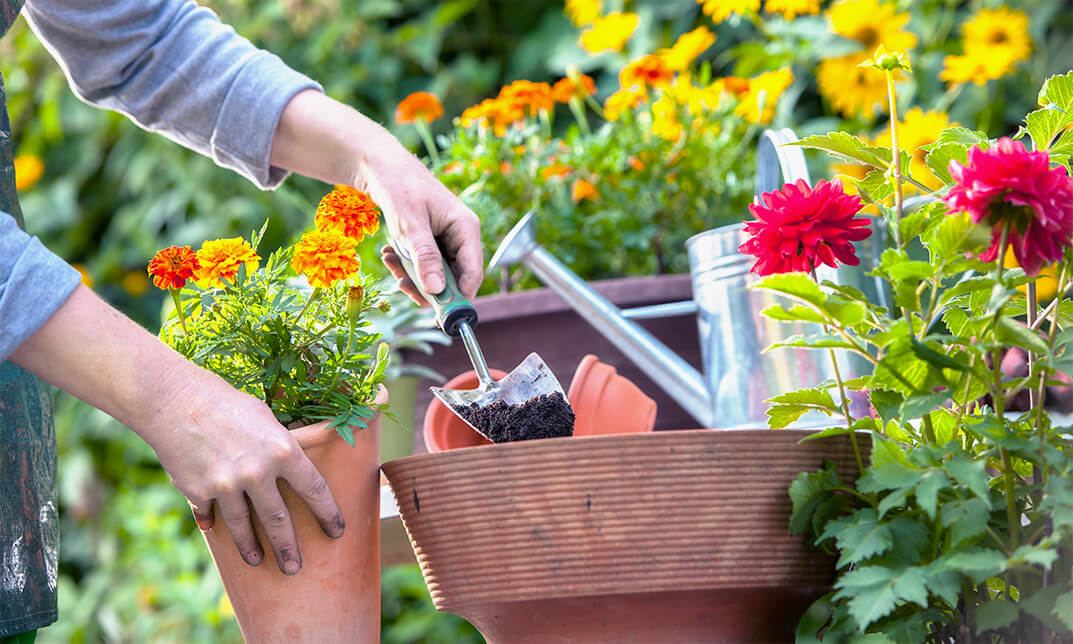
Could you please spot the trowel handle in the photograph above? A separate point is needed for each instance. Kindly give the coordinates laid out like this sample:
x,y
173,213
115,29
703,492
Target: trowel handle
x,y
452,308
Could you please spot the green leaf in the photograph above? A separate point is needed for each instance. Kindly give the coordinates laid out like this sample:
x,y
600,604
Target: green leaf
x,y
861,536
927,490
911,270
1058,91
890,468
955,234
939,158
1035,555
807,492
875,185
1012,332
1043,125
995,614
796,285
1051,607
892,501
965,519
793,313
943,582
962,136
874,591
845,146
1063,609
916,405
789,407
817,341
972,474
941,360
976,563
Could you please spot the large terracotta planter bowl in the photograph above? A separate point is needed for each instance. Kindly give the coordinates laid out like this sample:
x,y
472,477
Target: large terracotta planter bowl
x,y
677,536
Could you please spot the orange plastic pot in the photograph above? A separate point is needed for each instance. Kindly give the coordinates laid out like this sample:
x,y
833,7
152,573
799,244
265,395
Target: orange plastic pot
x,y
606,403
443,429
336,595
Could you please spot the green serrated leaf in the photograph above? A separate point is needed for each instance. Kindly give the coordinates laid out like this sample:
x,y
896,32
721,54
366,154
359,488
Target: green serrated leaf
x,y
972,474
1035,555
789,407
818,341
807,492
995,614
1012,332
965,519
864,536
927,490
793,313
1051,607
876,185
939,158
874,591
976,563
1043,125
943,583
796,285
845,146
962,136
1063,609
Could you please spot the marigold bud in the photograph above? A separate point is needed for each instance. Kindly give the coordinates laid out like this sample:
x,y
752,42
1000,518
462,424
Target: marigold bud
x,y
353,302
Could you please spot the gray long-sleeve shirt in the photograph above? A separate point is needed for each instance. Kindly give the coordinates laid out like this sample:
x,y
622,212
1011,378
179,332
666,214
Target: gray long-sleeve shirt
x,y
173,68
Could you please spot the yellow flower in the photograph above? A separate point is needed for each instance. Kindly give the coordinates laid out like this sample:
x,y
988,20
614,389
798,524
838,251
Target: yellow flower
x,y
998,32
325,257
791,9
28,170
852,90
974,68
1046,281
134,283
87,279
758,103
917,129
872,24
720,10
582,12
686,49
622,100
665,119
221,258
646,71
610,32
554,171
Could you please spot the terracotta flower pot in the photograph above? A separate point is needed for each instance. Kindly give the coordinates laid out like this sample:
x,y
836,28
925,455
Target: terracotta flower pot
x,y
661,537
606,403
443,429
336,595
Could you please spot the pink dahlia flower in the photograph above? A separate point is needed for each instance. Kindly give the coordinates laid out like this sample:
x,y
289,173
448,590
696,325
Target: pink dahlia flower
x,y
1008,186
798,227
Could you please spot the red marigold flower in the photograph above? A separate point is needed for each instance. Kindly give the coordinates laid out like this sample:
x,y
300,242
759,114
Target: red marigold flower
x,y
1010,187
172,267
646,71
419,105
349,212
567,88
798,227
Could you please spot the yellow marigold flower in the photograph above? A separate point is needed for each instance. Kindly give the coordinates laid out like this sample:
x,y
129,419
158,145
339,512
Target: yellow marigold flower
x,y
917,129
582,12
1002,32
665,119
525,94
872,23
494,112
28,170
646,71
87,279
418,106
791,9
758,103
583,190
610,32
720,10
554,170
325,257
687,48
134,283
221,258
568,88
622,100
851,89
348,211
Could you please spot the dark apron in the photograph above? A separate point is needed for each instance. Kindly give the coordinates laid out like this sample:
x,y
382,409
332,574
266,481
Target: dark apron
x,y
28,526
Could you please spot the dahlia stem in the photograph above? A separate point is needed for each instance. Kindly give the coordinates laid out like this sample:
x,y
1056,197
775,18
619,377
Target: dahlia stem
x,y
430,144
896,158
1034,396
179,309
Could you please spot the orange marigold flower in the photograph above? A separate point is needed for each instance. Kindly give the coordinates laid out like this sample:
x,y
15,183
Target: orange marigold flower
x,y
568,88
28,169
348,211
419,105
646,71
506,167
527,94
172,266
554,170
622,100
582,190
497,112
221,258
736,86
325,257
635,163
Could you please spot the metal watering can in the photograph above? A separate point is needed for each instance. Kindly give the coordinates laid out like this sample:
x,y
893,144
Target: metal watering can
x,y
737,375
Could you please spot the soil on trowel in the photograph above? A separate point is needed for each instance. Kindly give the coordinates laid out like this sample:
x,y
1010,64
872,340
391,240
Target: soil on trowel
x,y
546,416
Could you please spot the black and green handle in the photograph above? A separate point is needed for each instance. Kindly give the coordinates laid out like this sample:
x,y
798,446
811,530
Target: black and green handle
x,y
452,308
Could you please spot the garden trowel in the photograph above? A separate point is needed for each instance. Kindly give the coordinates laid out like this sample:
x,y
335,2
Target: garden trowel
x,y
529,389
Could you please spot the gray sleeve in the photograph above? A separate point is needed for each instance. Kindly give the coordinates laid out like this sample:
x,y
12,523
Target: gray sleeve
x,y
33,284
173,68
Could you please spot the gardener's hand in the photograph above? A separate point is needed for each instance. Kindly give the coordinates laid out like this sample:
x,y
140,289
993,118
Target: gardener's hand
x,y
322,138
215,442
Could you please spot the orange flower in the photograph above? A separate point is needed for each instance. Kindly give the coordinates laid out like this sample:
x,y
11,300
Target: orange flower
x,y
497,112
622,100
220,258
582,190
527,94
325,257
554,170
736,86
567,88
348,211
646,71
635,163
171,267
506,167
28,169
419,105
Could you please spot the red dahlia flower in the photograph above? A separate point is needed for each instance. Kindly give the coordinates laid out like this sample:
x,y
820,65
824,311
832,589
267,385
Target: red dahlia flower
x,y
798,227
1009,187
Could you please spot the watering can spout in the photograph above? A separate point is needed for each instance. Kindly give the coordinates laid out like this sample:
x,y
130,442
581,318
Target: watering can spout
x,y
679,379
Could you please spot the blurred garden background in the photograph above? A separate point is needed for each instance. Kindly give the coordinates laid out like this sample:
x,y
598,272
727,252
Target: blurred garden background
x,y
621,178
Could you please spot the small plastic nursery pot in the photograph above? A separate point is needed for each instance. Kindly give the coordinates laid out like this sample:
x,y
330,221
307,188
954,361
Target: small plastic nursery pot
x,y
336,595
669,536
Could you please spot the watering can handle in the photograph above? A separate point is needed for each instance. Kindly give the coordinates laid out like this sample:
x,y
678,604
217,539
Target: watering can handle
x,y
777,163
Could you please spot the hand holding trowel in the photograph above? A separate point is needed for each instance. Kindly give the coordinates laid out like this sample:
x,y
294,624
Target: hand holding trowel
x,y
528,403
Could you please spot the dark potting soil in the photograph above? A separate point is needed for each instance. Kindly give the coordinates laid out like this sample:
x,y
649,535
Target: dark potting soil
x,y
546,416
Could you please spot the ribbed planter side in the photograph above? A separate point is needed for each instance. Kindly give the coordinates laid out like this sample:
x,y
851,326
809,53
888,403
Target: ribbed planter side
x,y
665,512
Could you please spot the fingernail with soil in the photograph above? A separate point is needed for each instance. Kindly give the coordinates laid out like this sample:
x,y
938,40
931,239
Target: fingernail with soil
x,y
291,567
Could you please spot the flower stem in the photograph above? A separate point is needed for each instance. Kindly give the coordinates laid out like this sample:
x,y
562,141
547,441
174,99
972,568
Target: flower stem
x,y
349,346
426,136
579,115
312,296
179,309
895,159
